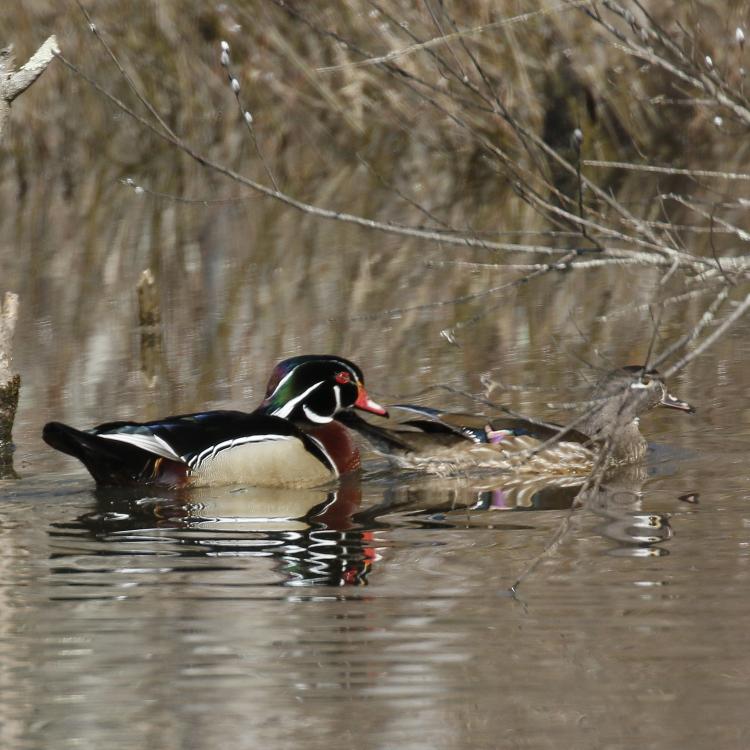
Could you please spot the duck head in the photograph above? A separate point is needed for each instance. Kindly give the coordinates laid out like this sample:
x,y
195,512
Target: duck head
x,y
645,389
623,395
314,388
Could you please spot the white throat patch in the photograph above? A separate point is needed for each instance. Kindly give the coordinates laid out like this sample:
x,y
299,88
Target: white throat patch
x,y
313,417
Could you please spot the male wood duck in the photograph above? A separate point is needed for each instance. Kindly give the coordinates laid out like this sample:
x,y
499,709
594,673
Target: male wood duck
x,y
443,443
291,440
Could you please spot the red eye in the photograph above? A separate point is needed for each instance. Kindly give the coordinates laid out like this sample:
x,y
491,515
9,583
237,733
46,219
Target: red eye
x,y
343,377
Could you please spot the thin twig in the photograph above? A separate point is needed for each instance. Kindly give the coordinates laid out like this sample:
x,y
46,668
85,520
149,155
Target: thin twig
x,y
729,321
698,173
447,38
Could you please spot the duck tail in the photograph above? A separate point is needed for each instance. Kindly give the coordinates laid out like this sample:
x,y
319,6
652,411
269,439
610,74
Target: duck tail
x,y
107,462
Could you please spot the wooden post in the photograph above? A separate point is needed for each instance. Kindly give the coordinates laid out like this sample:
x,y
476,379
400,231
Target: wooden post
x,y
12,84
149,326
10,382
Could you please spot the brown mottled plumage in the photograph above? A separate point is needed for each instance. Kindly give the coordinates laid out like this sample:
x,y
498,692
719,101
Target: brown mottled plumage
x,y
446,443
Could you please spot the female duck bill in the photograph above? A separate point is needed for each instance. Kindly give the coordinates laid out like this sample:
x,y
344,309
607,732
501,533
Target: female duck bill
x,y
672,402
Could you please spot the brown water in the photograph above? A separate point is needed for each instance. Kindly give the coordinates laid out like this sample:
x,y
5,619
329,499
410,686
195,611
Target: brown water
x,y
384,618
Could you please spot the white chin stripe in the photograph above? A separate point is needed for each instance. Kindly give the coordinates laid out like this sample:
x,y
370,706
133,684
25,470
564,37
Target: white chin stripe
x,y
149,443
313,417
285,410
337,393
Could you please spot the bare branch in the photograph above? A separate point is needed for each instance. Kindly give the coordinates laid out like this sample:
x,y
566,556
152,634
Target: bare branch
x,y
19,81
12,84
461,34
704,173
729,321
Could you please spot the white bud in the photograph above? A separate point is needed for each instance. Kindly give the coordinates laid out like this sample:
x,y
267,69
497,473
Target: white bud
x,y
449,335
129,181
224,59
248,117
578,136
739,36
709,61
92,27
138,190
224,46
718,121
235,84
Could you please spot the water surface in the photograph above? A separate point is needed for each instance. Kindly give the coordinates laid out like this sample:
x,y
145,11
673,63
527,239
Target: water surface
x,y
383,617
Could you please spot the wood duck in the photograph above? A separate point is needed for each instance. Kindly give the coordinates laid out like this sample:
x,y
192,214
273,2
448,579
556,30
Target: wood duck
x,y
443,443
291,440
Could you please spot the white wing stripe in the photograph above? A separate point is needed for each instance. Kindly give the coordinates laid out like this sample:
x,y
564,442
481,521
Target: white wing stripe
x,y
331,462
197,460
149,443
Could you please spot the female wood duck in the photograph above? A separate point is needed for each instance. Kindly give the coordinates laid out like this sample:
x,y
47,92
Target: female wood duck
x,y
290,440
442,443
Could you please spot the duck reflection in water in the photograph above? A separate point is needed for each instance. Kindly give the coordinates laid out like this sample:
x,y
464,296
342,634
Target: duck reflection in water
x,y
469,503
324,537
309,535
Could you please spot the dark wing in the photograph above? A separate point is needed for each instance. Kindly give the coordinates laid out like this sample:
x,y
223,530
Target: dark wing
x,y
540,430
479,428
435,422
190,437
405,437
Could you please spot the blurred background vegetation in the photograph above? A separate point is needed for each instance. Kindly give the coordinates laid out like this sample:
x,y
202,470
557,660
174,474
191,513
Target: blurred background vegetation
x,y
244,281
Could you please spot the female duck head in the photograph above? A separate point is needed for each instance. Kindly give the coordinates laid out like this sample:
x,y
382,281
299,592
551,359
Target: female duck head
x,y
621,397
316,387
644,389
